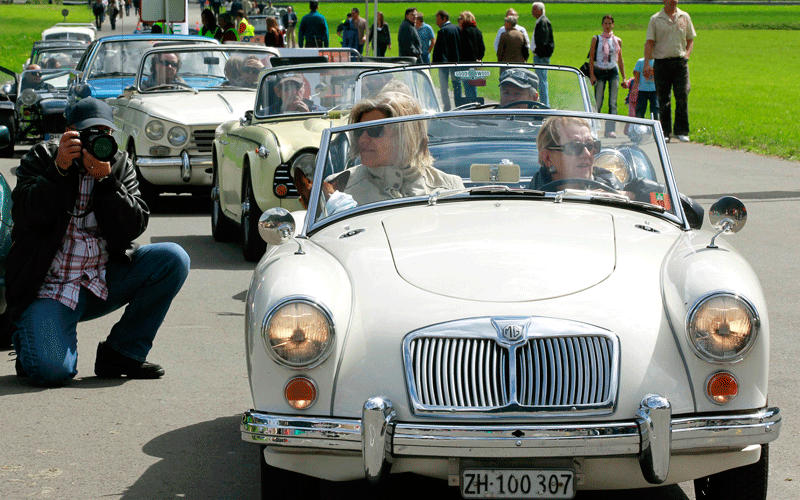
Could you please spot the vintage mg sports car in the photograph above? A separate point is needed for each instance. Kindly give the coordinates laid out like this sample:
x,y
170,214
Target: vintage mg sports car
x,y
506,315
167,123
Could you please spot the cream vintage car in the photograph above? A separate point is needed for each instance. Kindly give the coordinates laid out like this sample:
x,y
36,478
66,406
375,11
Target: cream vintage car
x,y
253,156
506,316
166,121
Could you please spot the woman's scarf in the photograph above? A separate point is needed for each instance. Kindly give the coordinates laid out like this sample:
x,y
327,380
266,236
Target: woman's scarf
x,y
606,46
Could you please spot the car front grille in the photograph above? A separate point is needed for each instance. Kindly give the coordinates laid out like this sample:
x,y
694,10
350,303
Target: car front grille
x,y
203,139
282,183
479,372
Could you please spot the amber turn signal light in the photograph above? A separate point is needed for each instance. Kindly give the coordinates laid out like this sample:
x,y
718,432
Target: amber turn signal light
x,y
722,388
300,393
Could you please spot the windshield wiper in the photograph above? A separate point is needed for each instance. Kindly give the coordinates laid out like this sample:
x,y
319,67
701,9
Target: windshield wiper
x,y
492,189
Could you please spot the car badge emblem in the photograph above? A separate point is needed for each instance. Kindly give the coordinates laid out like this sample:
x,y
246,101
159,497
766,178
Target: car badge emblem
x,y
511,330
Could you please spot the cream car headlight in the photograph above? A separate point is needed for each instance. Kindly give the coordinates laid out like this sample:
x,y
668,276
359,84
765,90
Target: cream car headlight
x,y
298,333
615,163
306,162
177,136
154,130
722,327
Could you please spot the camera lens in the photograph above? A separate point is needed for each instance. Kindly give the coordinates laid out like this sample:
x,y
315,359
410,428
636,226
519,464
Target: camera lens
x,y
101,146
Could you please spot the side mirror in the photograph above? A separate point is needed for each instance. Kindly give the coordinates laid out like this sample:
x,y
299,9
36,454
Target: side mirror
x,y
727,215
276,226
8,88
247,119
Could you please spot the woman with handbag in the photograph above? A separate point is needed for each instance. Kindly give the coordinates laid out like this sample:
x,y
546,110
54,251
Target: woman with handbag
x,y
605,66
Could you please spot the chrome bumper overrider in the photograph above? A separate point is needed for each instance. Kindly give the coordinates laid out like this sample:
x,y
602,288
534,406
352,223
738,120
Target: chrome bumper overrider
x,y
652,436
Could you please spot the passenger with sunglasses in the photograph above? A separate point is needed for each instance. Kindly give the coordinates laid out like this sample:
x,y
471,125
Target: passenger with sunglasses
x,y
251,67
32,79
290,96
395,160
566,156
164,70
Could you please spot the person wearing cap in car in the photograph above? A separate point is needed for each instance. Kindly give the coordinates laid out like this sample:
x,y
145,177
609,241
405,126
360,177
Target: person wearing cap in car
x,y
74,257
290,92
518,85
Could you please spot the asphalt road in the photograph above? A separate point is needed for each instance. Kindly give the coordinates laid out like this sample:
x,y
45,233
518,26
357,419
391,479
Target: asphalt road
x,y
178,437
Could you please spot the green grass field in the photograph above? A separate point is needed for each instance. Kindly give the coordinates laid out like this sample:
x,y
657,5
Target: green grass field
x,y
743,68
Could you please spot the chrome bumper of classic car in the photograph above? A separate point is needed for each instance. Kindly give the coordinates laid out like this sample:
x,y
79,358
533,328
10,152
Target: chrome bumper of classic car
x,y
653,436
155,167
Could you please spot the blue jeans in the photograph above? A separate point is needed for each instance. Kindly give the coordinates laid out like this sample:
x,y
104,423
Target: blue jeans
x,y
46,337
544,96
612,80
642,98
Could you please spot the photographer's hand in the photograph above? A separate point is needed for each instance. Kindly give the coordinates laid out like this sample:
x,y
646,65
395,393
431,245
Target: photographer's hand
x,y
94,167
69,149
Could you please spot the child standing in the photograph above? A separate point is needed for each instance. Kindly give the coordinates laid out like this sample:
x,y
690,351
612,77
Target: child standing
x,y
647,91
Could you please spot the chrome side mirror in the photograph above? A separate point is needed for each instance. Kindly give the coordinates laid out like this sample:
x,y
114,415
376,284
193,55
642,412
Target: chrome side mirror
x,y
8,88
276,226
727,215
247,119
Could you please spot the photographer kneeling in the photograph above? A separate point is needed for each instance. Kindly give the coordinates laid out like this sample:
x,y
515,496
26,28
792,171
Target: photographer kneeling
x,y
76,211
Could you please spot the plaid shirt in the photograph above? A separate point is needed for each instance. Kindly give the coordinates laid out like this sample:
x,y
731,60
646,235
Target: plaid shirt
x,y
81,260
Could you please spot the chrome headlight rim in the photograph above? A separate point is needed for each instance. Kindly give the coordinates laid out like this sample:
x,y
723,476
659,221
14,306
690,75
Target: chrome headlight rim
x,y
28,97
302,157
748,306
152,130
177,129
323,355
616,156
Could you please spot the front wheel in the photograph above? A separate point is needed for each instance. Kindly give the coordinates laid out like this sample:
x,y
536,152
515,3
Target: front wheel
x,y
222,228
743,483
253,247
279,484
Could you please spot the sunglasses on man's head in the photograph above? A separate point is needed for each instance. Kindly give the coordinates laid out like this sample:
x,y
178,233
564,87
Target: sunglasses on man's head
x,y
169,63
373,132
575,148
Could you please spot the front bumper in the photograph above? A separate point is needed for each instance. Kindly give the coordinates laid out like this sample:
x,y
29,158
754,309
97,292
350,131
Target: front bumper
x,y
654,435
192,169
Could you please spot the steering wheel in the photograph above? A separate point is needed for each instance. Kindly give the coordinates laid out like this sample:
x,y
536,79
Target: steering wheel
x,y
588,184
529,104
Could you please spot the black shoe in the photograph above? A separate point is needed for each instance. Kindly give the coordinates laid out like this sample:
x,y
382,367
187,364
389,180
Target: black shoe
x,y
20,369
111,364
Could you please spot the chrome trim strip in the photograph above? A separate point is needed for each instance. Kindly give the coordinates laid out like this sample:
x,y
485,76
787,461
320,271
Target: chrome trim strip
x,y
173,161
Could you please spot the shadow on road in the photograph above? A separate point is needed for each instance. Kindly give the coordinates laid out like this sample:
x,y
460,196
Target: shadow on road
x,y
209,254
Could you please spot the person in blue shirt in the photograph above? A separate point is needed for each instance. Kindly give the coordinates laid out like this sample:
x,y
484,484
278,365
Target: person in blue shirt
x,y
647,91
426,36
313,31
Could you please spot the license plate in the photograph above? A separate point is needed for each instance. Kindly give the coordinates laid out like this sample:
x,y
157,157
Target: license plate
x,y
517,483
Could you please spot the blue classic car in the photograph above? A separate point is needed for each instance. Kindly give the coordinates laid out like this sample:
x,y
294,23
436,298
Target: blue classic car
x,y
109,64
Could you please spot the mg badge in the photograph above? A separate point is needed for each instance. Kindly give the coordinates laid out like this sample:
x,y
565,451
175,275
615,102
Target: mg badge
x,y
511,330
512,333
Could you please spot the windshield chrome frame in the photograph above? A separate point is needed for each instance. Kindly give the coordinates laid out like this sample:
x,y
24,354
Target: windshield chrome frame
x,y
311,223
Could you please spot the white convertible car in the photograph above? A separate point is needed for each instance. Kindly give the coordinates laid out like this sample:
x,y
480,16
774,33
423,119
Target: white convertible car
x,y
182,93
506,315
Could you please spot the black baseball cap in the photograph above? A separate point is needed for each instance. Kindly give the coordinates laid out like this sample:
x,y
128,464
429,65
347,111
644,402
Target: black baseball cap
x,y
89,112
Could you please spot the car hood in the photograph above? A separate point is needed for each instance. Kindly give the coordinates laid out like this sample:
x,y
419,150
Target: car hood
x,y
575,252
189,108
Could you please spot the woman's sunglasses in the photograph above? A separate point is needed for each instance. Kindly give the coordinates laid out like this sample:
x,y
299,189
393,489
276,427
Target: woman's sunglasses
x,y
373,132
169,63
575,148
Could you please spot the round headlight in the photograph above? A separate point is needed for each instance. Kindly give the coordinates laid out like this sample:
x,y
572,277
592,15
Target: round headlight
x,y
298,333
615,163
154,130
177,136
722,327
28,97
306,163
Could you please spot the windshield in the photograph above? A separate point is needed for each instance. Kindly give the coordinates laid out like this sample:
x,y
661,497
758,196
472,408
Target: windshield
x,y
443,87
524,154
64,57
215,68
121,58
69,35
307,89
44,80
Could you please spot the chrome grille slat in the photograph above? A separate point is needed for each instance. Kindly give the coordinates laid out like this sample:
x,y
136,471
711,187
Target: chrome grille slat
x,y
551,372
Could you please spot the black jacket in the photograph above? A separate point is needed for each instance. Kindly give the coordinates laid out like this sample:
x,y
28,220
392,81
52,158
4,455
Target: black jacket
x,y
408,41
447,42
543,37
472,47
42,202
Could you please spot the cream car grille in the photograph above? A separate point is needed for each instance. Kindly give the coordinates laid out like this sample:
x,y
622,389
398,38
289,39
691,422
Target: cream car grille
x,y
478,371
203,139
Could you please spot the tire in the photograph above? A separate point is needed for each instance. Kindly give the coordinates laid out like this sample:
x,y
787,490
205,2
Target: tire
x,y
222,228
8,151
279,484
147,191
253,247
743,483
